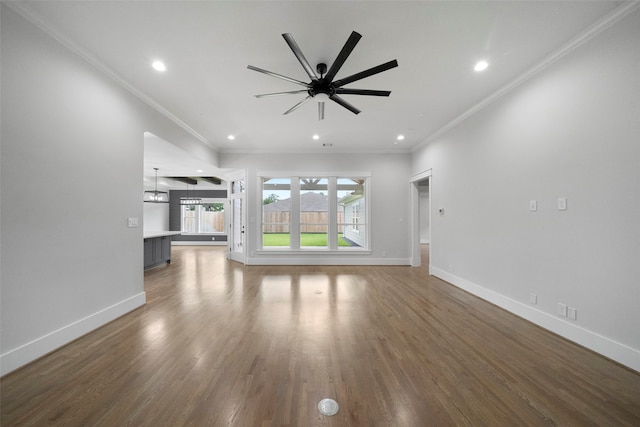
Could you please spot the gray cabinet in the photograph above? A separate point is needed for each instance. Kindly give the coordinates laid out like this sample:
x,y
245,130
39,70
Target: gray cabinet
x,y
157,250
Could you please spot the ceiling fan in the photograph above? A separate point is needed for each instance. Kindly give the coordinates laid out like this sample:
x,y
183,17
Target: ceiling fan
x,y
325,87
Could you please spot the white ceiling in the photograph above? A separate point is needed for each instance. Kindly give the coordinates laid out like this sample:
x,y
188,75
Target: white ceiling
x,y
207,46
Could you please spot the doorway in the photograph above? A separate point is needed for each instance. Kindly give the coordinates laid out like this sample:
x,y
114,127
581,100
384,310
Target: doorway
x,y
237,217
421,216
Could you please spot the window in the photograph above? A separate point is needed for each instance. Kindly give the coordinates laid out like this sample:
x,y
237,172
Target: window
x,y
352,210
276,212
314,212
207,218
355,218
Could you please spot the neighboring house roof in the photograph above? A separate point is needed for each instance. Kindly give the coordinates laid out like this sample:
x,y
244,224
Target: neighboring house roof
x,y
309,202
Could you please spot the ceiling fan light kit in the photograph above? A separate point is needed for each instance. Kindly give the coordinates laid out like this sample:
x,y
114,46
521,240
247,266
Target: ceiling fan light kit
x,y
325,87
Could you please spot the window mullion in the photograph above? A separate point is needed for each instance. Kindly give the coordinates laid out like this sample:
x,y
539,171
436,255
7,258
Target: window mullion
x,y
295,213
333,213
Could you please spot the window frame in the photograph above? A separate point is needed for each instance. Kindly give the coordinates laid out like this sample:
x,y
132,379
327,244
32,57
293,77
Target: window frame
x,y
197,219
333,226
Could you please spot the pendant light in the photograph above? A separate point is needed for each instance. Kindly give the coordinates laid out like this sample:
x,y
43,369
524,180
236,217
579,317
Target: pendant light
x,y
190,200
156,196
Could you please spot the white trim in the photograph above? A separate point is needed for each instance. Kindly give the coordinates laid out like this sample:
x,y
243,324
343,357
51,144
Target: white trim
x,y
619,352
310,259
307,174
586,35
20,356
420,176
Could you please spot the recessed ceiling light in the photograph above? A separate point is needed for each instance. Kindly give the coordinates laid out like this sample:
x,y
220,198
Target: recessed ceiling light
x,y
316,137
481,66
400,137
158,66
231,137
199,170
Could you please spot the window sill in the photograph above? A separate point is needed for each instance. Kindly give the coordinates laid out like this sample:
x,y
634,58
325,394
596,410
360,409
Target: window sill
x,y
306,251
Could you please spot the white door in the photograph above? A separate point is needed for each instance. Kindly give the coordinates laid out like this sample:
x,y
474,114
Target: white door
x,y
237,223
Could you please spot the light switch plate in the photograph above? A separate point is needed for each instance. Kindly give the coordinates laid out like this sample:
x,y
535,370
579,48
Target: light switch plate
x,y
533,205
132,222
562,203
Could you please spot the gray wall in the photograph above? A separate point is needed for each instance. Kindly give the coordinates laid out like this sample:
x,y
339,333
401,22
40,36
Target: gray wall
x,y
571,131
174,213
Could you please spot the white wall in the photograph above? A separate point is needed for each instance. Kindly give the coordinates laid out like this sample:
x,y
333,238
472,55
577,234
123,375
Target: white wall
x,y
389,200
572,131
69,263
156,216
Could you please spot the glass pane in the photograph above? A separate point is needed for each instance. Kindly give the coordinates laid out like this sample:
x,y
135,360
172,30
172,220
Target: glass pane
x,y
276,212
212,218
351,212
314,212
237,186
238,228
279,238
189,219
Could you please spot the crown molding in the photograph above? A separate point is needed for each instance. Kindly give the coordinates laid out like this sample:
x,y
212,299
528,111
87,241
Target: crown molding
x,y
607,21
23,10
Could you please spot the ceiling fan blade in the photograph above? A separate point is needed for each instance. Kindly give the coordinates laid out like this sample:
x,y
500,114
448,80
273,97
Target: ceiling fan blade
x,y
344,103
348,47
320,110
366,73
345,91
298,53
280,76
295,107
292,92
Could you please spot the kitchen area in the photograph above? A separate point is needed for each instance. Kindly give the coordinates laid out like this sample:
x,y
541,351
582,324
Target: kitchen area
x,y
184,201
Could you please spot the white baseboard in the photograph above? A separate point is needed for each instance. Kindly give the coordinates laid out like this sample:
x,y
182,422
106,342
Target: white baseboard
x,y
621,353
199,243
13,359
324,260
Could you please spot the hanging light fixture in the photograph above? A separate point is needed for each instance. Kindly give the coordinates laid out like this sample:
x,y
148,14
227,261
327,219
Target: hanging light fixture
x,y
190,200
156,196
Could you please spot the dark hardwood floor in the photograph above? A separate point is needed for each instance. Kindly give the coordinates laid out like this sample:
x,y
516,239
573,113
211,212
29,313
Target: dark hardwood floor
x,y
219,343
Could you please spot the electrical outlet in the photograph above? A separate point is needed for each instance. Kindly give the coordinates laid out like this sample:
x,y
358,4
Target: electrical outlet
x,y
533,299
572,313
533,205
562,309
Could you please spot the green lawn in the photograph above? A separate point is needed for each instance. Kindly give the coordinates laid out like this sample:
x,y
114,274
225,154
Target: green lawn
x,y
306,239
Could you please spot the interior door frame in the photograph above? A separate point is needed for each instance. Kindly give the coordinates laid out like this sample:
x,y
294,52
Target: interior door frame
x,y
232,238
415,216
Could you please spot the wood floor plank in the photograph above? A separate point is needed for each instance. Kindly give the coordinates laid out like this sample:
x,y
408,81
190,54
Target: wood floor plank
x,y
222,344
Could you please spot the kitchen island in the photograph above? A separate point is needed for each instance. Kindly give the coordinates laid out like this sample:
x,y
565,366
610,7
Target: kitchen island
x,y
157,247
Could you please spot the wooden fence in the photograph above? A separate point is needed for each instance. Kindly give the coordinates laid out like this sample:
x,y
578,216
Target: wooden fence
x,y
310,222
